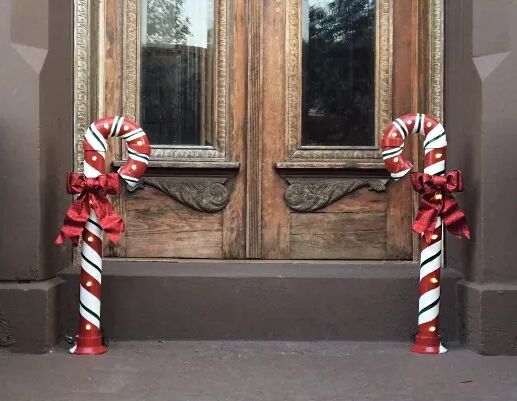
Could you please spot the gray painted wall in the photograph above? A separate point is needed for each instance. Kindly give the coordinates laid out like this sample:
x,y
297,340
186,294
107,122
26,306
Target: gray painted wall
x,y
36,134
35,148
481,116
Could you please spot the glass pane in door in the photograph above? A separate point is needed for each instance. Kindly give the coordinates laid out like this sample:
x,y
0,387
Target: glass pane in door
x,y
177,58
338,57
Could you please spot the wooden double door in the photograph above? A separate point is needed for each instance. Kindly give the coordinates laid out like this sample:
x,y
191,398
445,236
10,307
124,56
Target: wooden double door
x,y
265,119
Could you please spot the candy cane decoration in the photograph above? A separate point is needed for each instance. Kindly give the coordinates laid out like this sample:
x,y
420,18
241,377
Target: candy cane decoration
x,y
435,143
93,187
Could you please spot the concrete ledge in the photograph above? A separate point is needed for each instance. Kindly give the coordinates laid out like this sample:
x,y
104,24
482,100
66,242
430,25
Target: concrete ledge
x,y
259,300
489,316
28,315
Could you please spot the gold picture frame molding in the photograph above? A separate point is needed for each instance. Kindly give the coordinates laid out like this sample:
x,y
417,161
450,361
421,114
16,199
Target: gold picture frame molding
x,y
131,86
383,88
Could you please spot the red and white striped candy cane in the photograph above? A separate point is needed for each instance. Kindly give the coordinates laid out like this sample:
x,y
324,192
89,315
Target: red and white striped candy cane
x,y
435,143
89,339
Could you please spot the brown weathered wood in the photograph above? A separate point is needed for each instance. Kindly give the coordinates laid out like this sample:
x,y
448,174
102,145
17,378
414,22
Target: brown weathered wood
x,y
112,101
365,164
361,201
157,226
254,134
275,214
234,224
365,245
405,84
328,223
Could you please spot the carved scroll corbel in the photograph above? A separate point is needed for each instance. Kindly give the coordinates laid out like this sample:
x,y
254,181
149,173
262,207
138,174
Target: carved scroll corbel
x,y
204,195
308,195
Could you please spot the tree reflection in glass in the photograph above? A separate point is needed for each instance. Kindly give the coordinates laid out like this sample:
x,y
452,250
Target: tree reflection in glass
x,y
177,50
338,73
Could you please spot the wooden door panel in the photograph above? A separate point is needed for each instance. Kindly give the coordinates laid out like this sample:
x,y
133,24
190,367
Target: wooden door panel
x,y
157,226
258,77
352,228
363,224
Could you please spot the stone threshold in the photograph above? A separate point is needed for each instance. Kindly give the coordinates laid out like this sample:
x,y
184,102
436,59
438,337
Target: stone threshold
x,y
259,300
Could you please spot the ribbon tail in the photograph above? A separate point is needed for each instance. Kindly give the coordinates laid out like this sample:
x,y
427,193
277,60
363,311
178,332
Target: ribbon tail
x,y
110,221
454,218
425,222
75,219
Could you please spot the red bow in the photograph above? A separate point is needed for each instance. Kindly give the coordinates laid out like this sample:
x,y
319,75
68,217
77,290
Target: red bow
x,y
437,201
93,193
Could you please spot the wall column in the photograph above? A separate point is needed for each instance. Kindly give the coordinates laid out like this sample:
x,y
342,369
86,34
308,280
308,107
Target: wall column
x,y
481,121
36,147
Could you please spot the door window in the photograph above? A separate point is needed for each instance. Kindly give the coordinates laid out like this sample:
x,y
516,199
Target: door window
x,y
338,73
177,59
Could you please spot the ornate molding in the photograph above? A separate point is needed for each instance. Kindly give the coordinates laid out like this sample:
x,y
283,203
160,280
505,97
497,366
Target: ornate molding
x,y
131,85
306,195
255,94
81,77
208,195
131,56
383,95
436,58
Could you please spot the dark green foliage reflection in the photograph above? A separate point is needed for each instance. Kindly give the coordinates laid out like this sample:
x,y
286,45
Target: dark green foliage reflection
x,y
338,72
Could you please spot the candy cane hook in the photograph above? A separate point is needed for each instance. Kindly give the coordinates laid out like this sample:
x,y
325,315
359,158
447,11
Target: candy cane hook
x,y
92,214
435,143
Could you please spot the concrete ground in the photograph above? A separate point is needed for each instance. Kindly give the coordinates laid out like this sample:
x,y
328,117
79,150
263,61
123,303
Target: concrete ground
x,y
242,371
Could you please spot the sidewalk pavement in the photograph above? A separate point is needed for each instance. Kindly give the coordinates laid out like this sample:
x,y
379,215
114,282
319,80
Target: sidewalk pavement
x,y
257,371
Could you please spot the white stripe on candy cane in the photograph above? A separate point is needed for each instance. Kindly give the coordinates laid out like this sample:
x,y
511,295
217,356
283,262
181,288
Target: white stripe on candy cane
x,y
401,127
399,175
434,169
92,271
132,135
91,255
90,172
95,139
93,228
138,156
430,314
418,128
436,138
89,317
90,301
428,298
